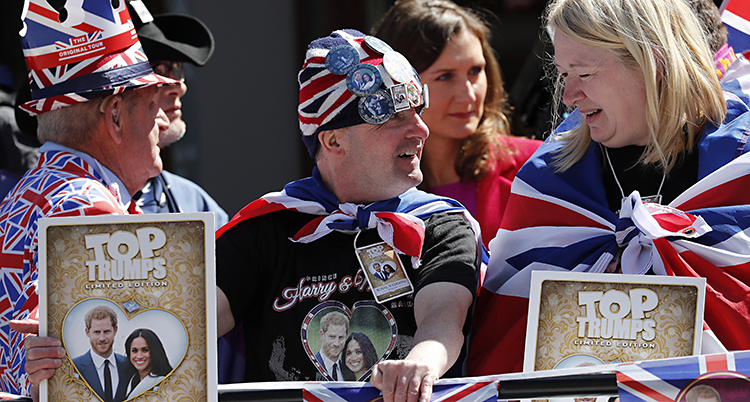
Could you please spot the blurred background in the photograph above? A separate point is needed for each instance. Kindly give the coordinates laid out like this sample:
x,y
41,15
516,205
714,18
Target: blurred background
x,y
243,139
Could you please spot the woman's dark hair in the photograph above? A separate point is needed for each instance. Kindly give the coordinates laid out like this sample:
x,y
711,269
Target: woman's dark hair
x,y
420,29
368,352
159,362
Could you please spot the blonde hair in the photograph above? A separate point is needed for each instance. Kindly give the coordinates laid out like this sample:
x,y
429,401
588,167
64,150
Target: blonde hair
x,y
664,40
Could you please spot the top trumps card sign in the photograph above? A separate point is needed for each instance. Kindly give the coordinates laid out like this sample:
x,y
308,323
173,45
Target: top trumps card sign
x,y
581,319
133,301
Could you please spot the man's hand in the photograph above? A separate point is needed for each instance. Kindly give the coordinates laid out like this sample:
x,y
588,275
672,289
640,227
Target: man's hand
x,y
404,380
437,344
43,354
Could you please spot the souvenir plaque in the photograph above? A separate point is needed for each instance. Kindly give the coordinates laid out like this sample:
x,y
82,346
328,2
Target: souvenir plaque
x,y
151,275
585,319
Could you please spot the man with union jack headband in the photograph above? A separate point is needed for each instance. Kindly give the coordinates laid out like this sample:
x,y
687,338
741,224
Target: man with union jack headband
x,y
291,257
92,89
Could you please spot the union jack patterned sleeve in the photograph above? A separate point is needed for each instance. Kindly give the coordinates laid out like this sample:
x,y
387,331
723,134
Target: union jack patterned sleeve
x,y
62,185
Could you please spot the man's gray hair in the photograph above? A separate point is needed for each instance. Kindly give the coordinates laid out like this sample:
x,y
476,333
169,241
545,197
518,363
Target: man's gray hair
x,y
71,125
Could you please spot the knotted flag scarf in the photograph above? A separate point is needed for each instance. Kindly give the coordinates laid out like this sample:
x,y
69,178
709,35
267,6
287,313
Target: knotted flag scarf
x,y
399,220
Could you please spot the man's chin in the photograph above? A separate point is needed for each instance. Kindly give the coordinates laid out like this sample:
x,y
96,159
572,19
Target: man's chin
x,y
174,133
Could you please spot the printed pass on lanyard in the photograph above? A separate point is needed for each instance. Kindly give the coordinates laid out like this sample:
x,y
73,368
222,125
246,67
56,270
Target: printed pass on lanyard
x,y
384,271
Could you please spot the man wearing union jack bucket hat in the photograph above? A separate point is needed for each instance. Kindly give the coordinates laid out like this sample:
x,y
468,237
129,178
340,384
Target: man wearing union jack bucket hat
x,y
92,90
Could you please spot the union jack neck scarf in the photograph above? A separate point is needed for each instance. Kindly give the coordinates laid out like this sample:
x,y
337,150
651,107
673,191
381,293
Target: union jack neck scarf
x,y
399,220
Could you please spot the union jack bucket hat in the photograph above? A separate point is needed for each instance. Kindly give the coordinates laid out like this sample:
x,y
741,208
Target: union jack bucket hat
x,y
349,78
78,50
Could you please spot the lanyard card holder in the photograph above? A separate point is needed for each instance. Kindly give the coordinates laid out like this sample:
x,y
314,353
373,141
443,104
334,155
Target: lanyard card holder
x,y
383,270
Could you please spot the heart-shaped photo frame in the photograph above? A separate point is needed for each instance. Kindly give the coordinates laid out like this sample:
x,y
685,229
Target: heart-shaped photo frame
x,y
134,335
344,344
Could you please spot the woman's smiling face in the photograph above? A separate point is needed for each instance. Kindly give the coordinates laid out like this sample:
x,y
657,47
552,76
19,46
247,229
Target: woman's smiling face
x,y
354,358
609,95
140,356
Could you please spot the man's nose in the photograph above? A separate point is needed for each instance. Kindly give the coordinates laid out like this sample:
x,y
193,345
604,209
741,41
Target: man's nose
x,y
417,128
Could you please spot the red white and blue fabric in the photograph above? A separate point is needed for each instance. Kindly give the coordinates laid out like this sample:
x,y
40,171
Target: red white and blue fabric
x,y
665,380
323,94
399,220
62,184
561,221
95,52
735,14
463,390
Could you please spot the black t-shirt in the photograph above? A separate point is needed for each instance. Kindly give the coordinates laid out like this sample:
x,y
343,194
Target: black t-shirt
x,y
280,290
646,179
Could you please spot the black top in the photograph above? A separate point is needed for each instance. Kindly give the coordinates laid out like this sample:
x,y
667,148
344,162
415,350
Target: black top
x,y
645,179
279,290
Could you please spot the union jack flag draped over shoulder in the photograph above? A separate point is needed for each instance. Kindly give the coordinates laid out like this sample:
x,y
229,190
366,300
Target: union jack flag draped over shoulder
x,y
561,221
80,50
399,220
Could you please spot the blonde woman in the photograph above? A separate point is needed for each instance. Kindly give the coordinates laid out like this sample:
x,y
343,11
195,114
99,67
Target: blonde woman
x,y
653,180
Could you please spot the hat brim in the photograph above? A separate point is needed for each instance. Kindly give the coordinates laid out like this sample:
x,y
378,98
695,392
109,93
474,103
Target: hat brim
x,y
42,105
171,37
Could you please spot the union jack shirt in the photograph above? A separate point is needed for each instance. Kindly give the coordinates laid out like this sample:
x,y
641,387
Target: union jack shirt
x,y
63,184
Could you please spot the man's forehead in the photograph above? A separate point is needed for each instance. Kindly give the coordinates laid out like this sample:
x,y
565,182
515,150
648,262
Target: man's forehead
x,y
102,322
336,328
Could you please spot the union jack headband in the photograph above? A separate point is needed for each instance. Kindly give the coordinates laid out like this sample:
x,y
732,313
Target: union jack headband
x,y
76,52
350,78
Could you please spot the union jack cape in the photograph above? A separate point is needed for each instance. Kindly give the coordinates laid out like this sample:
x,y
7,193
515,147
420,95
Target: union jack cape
x,y
63,184
561,221
399,220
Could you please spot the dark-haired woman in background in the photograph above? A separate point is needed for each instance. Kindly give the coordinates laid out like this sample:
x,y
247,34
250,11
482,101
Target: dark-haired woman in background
x,y
148,361
470,155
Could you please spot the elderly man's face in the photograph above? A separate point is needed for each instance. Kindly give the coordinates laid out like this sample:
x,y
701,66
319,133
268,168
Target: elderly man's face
x,y
142,122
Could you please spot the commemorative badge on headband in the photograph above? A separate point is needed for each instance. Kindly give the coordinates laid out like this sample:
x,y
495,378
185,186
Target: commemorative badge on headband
x,y
398,67
400,98
364,80
376,108
377,44
342,59
415,95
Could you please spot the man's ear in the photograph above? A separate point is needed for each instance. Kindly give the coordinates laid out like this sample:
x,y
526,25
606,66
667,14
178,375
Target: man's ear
x,y
331,142
112,107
